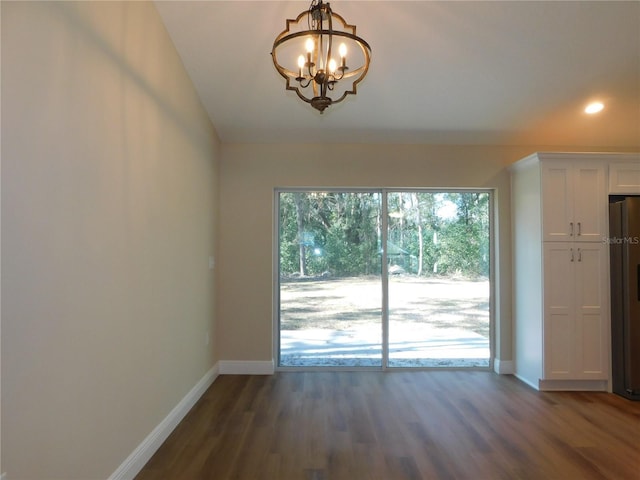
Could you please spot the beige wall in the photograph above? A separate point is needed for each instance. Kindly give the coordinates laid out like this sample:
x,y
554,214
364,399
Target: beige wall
x,y
109,204
249,175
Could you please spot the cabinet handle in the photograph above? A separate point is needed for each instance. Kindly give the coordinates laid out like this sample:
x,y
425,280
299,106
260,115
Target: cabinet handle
x,y
579,255
571,254
579,228
571,225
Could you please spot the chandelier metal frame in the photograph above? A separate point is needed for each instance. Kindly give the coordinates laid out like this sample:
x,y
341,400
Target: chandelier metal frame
x,y
318,72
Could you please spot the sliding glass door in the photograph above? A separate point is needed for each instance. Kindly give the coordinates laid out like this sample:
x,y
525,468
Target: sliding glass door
x,y
383,279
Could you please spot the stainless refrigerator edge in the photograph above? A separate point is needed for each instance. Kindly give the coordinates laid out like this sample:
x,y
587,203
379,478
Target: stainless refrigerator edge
x,y
624,241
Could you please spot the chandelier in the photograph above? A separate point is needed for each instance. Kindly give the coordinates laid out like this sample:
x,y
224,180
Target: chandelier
x,y
319,72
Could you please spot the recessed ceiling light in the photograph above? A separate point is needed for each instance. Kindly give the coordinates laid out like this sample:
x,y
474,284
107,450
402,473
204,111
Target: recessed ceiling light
x,y
594,107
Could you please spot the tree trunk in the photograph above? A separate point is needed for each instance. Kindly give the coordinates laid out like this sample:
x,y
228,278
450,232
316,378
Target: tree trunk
x,y
297,199
420,239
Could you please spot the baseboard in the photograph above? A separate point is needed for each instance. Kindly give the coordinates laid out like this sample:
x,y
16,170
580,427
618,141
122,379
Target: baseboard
x,y
573,385
533,385
503,367
241,367
141,455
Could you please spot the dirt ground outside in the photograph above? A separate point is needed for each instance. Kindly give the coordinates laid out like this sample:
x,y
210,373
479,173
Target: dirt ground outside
x,y
428,317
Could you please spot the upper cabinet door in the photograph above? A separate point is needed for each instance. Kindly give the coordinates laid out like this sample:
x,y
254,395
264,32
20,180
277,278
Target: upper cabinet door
x,y
574,201
589,203
557,202
624,178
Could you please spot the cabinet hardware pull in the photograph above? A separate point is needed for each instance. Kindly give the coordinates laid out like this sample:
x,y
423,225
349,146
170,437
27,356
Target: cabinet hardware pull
x,y
579,255
579,228
571,254
571,225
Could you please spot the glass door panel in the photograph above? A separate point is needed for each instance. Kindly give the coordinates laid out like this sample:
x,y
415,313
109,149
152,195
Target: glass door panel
x,y
438,279
330,292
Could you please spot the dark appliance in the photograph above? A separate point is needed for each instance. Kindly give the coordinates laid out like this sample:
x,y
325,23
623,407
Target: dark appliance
x,y
624,241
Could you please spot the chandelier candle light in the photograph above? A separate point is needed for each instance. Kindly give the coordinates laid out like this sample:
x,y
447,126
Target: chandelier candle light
x,y
318,73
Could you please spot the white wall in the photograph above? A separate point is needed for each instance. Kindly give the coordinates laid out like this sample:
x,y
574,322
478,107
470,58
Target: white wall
x,y
109,211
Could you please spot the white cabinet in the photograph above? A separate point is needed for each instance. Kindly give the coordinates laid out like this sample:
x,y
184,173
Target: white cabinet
x,y
624,177
574,200
560,271
575,312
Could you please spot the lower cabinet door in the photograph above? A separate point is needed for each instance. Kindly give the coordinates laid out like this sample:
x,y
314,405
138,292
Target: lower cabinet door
x,y
575,323
559,318
591,359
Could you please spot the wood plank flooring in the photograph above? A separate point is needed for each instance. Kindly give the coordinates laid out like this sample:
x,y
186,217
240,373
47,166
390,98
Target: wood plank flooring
x,y
399,425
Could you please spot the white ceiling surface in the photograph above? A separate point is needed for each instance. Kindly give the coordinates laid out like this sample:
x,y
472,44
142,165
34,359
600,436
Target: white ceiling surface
x,y
503,73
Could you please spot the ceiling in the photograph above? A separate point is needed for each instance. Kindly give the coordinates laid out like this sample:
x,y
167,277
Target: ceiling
x,y
500,73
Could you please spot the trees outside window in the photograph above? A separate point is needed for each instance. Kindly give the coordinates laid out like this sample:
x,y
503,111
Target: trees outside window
x,y
429,233
383,278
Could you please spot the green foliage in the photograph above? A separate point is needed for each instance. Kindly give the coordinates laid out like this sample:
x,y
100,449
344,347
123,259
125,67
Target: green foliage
x,y
337,232
465,239
429,233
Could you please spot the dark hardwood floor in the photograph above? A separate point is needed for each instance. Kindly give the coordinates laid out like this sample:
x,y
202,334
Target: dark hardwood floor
x,y
399,425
